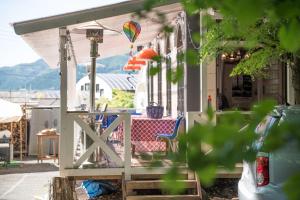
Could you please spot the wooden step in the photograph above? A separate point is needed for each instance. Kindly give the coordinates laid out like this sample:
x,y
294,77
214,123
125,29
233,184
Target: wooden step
x,y
164,197
156,184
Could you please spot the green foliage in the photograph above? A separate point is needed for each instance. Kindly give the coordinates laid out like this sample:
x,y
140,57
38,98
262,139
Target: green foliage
x,y
260,41
209,146
171,184
121,99
174,75
154,70
101,101
283,14
292,187
268,30
289,35
256,65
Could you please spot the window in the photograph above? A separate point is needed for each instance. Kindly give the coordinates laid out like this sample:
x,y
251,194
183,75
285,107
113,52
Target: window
x,y
242,86
97,88
82,87
101,92
86,86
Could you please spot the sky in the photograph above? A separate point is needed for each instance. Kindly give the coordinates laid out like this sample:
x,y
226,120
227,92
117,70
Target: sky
x,y
13,50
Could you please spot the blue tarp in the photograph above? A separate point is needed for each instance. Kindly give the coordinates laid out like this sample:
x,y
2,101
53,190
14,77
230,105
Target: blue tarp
x,y
96,188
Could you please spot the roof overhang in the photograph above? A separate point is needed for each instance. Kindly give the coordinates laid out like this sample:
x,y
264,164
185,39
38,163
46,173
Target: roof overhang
x,y
43,34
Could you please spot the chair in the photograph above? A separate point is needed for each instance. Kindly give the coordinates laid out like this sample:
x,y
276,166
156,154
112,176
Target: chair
x,y
170,137
103,109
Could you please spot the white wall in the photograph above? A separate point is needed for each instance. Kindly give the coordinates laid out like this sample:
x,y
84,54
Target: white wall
x,y
37,123
83,96
141,92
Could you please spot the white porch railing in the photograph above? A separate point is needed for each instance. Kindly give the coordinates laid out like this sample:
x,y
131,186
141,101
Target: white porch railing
x,y
73,168
194,117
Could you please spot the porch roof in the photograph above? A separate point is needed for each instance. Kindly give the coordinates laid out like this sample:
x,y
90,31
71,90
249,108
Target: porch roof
x,y
43,34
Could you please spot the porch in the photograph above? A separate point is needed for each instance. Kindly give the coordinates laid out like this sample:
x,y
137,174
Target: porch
x,y
56,40
114,157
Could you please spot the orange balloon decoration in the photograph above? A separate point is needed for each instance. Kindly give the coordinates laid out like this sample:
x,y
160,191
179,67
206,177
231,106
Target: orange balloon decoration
x,y
132,67
135,61
147,54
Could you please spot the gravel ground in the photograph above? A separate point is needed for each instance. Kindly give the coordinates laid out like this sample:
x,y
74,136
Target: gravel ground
x,y
223,189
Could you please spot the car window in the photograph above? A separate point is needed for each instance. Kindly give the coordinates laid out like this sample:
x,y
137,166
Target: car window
x,y
262,129
262,126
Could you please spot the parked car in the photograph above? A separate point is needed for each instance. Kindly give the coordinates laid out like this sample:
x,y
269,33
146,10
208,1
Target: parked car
x,y
264,178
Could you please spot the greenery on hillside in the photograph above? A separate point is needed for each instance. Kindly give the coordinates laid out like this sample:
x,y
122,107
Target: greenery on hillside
x,y
39,76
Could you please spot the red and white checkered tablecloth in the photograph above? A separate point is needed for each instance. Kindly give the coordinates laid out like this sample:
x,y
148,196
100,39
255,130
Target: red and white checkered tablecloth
x,y
145,130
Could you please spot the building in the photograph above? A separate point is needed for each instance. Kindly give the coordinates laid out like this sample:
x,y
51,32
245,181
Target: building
x,y
32,98
105,84
55,40
209,82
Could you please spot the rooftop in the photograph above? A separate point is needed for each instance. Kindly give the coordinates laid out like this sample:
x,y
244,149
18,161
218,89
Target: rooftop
x,y
119,81
43,34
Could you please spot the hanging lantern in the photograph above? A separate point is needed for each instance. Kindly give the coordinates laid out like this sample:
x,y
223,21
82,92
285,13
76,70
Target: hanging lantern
x,y
132,30
135,61
132,67
148,54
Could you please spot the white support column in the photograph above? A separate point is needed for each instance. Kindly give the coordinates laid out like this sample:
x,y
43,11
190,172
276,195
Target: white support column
x,y
127,147
67,125
72,83
189,121
203,74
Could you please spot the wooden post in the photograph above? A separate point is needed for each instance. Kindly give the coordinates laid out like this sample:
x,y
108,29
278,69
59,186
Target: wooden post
x,y
25,132
11,131
11,150
127,147
61,189
21,140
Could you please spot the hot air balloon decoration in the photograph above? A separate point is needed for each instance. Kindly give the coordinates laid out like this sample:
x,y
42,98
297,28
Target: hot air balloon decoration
x,y
132,30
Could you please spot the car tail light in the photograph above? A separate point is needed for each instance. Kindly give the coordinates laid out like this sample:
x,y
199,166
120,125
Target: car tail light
x,y
262,171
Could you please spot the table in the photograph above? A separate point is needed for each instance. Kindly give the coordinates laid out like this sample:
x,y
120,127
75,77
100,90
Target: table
x,y
144,131
52,136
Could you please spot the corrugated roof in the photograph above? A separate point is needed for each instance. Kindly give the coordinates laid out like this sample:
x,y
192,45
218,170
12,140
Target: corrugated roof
x,y
120,81
31,97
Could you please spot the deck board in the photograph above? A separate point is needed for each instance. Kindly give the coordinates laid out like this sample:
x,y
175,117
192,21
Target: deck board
x,y
147,159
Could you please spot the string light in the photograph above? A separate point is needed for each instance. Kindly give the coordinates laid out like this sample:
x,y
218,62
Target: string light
x,y
234,56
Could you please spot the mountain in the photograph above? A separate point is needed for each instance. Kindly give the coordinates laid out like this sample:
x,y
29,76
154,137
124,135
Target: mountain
x,y
39,76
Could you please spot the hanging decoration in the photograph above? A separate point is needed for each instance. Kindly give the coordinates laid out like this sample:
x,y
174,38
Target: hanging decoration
x,y
132,30
132,67
235,56
135,61
147,54
134,64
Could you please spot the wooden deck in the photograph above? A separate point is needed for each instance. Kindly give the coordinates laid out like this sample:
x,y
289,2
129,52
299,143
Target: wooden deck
x,y
145,159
